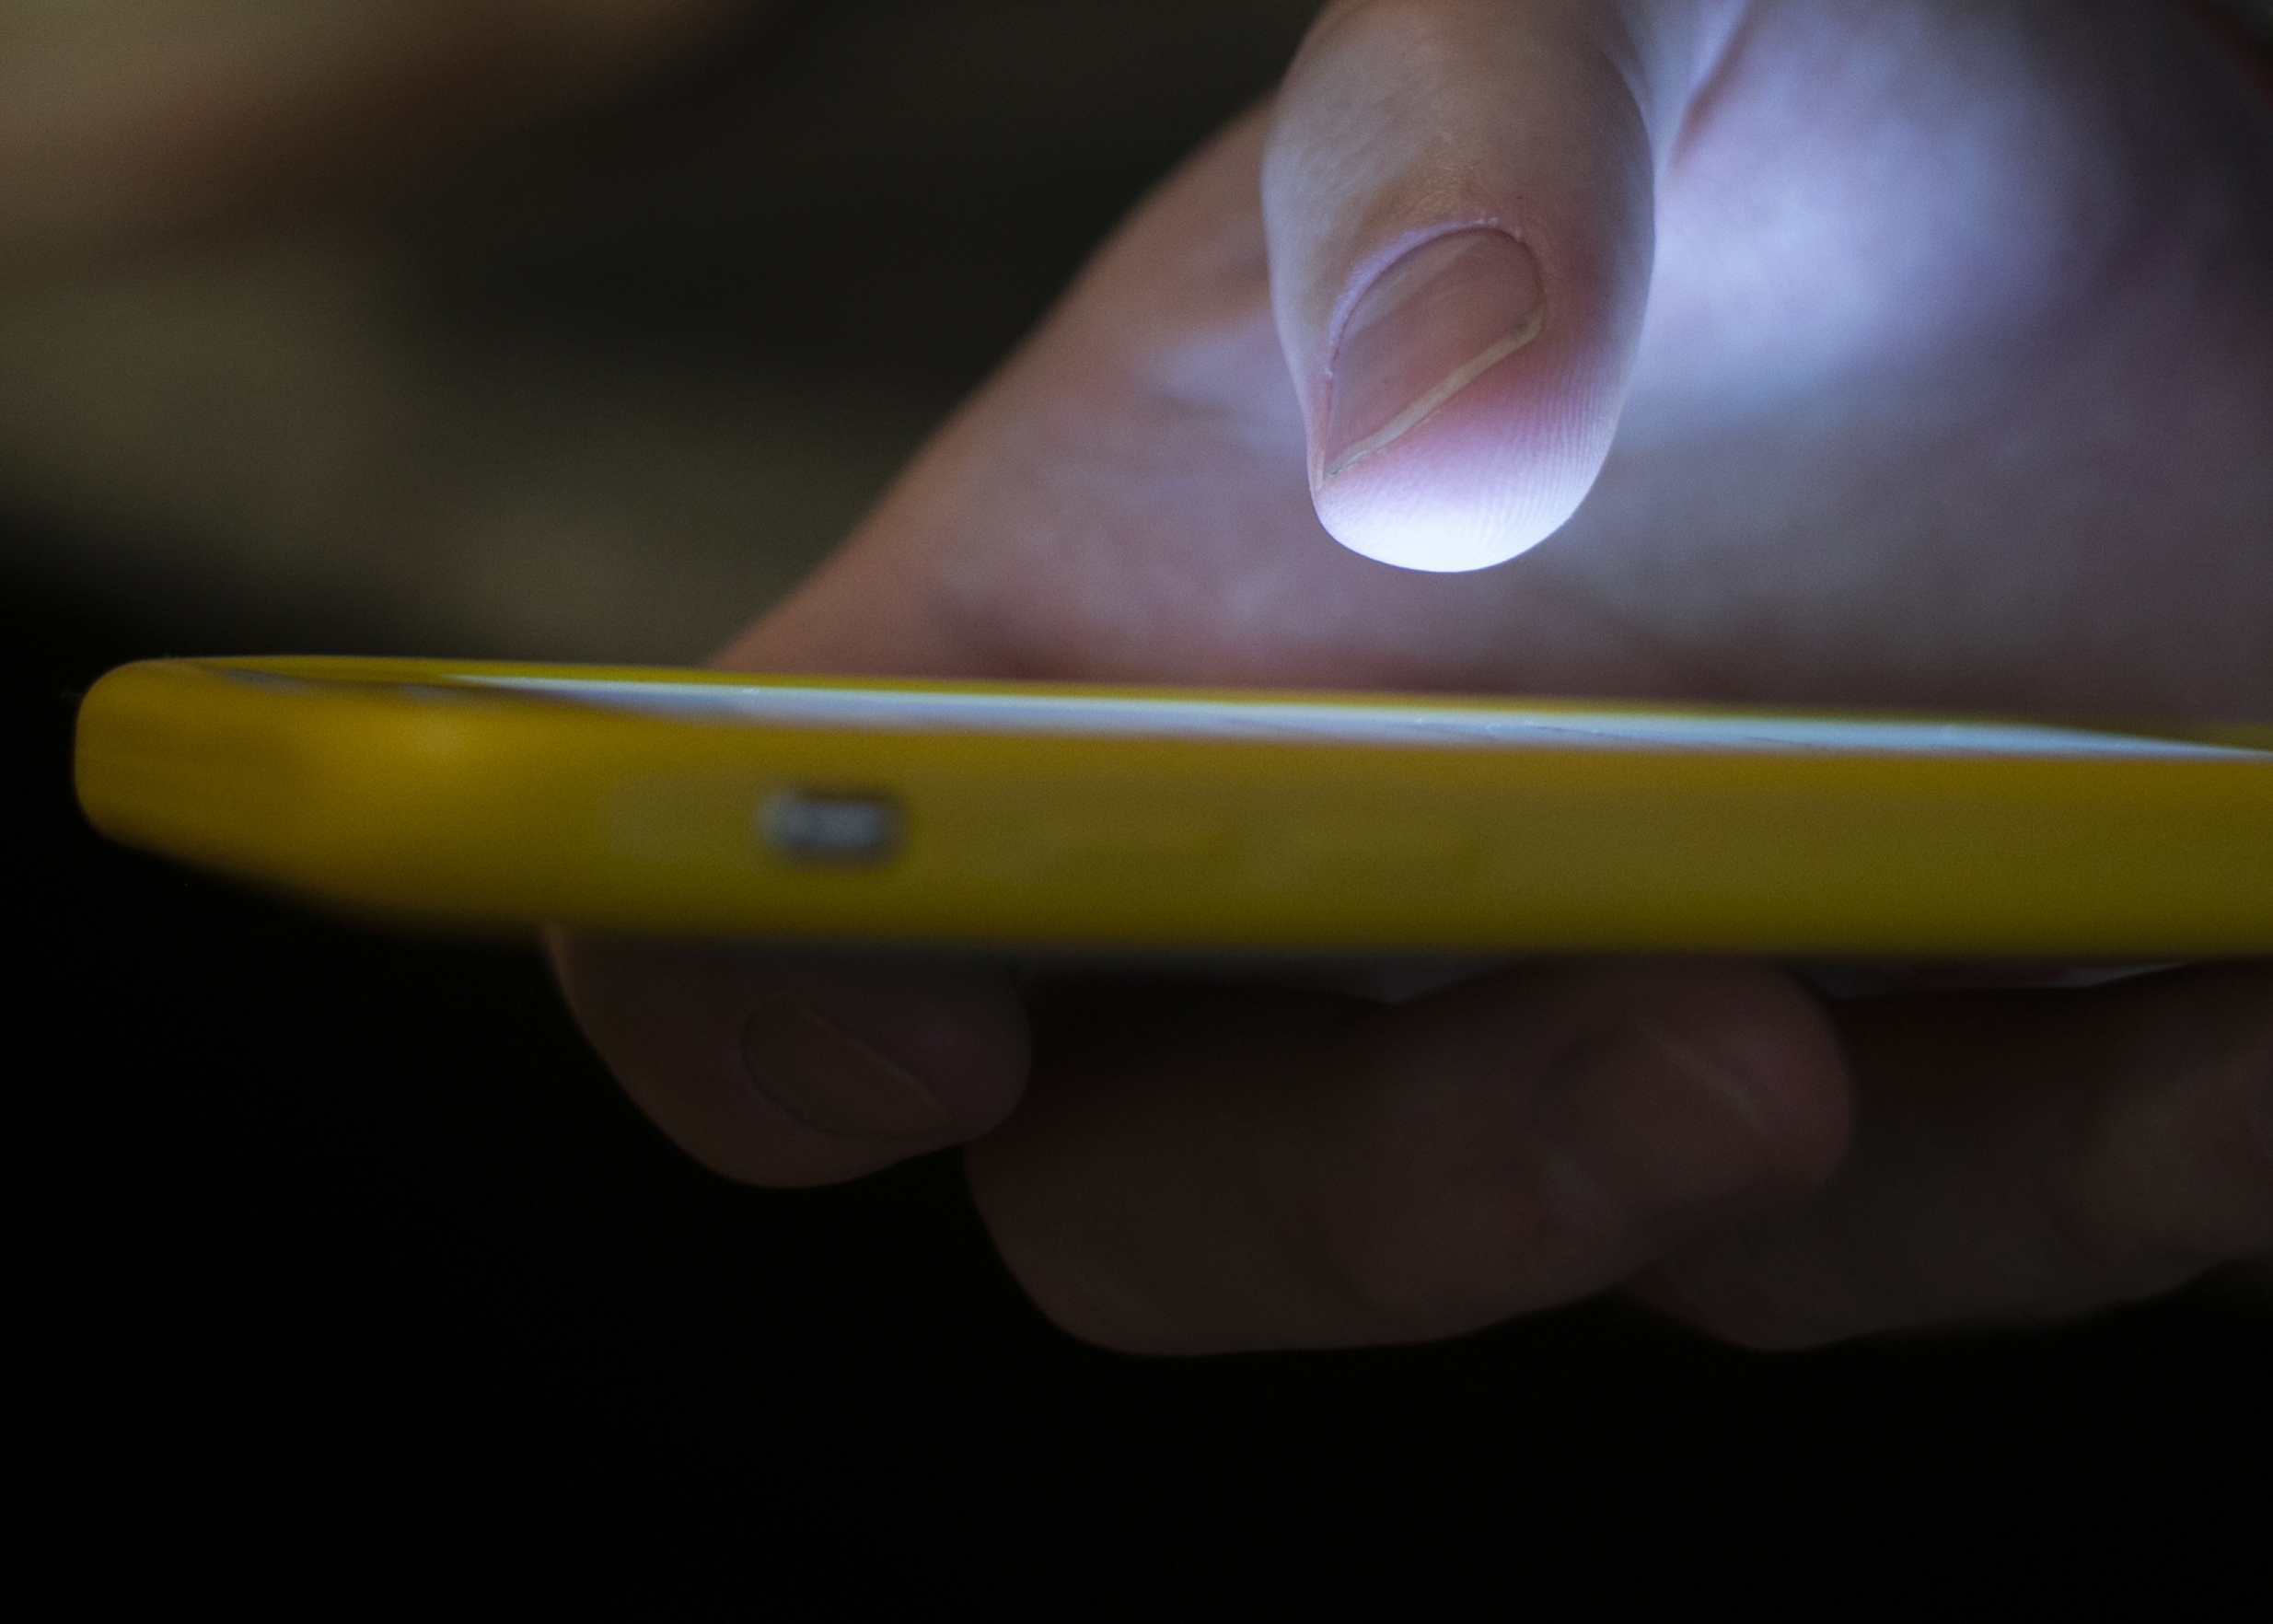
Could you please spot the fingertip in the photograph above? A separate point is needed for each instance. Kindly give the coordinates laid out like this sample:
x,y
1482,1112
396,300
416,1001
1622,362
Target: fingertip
x,y
1459,200
1489,477
1460,426
781,1071
2026,1154
1669,1094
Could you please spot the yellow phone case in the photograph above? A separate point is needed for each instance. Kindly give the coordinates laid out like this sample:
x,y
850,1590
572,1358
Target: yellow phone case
x,y
719,804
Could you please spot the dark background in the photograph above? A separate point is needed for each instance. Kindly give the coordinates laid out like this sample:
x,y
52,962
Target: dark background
x,y
304,1207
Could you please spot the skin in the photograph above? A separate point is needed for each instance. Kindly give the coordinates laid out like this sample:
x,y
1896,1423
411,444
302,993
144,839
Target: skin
x,y
1959,400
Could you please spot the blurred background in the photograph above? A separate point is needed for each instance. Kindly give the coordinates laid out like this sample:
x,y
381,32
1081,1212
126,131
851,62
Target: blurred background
x,y
601,373
579,330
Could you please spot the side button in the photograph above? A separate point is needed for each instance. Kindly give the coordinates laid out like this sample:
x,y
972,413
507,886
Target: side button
x,y
825,828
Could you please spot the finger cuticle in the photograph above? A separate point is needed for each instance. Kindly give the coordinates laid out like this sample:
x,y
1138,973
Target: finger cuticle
x,y
833,1082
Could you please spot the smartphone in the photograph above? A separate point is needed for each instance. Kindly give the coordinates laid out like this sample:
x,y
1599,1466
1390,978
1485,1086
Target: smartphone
x,y
1039,816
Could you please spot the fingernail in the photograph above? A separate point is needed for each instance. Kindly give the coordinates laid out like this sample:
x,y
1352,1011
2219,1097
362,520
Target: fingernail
x,y
1652,1124
1431,325
830,1080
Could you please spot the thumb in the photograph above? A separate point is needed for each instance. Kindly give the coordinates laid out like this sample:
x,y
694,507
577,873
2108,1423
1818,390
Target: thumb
x,y
1458,195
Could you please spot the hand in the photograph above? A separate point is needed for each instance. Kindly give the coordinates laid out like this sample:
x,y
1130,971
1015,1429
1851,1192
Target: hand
x,y
1807,353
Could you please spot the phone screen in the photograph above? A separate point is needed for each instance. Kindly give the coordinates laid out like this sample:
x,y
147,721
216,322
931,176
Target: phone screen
x,y
1377,722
